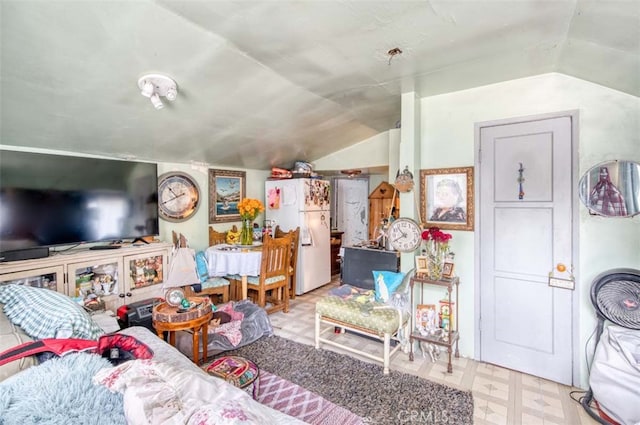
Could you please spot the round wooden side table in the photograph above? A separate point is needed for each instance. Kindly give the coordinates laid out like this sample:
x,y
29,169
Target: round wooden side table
x,y
167,318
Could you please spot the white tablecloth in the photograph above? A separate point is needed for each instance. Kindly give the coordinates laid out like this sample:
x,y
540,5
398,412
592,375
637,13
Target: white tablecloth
x,y
222,262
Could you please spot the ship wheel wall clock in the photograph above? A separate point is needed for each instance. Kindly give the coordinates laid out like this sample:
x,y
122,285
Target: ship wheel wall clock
x,y
178,196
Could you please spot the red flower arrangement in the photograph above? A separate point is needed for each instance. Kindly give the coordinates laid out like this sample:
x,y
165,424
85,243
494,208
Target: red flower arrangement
x,y
436,235
436,248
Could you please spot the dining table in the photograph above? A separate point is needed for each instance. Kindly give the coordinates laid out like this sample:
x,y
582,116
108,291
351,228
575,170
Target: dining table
x,y
242,260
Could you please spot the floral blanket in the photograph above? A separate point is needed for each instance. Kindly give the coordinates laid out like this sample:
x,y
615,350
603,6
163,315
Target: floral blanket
x,y
159,393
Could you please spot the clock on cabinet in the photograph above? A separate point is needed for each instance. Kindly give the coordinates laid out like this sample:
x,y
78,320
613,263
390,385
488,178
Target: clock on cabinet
x,y
178,196
405,235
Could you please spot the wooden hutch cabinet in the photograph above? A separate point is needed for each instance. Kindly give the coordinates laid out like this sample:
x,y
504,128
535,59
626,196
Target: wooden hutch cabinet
x,y
381,202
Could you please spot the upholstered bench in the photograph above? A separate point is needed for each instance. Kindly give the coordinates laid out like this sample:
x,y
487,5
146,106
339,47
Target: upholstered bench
x,y
373,319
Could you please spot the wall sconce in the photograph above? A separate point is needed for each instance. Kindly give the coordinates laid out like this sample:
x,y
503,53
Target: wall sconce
x,y
155,86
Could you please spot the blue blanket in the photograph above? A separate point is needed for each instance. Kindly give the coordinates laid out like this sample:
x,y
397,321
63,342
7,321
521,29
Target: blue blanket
x,y
60,391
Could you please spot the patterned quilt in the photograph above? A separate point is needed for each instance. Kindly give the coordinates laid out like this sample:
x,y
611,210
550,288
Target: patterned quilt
x,y
158,393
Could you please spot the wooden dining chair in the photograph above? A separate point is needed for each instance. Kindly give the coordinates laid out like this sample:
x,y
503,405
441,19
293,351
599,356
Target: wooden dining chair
x,y
216,238
293,259
272,285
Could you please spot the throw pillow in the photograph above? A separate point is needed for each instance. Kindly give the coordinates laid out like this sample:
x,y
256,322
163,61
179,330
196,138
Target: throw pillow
x,y
386,283
43,313
201,266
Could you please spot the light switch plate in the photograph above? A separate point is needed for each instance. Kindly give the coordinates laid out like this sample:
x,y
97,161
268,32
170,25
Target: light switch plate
x,y
556,282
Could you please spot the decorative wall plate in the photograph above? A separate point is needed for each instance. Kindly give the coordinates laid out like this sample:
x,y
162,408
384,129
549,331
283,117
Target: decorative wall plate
x,y
404,181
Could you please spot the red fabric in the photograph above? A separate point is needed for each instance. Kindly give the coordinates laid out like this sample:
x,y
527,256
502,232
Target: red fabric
x,y
605,416
59,347
126,343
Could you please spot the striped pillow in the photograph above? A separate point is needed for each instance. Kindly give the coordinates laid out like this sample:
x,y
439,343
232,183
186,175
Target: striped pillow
x,y
43,313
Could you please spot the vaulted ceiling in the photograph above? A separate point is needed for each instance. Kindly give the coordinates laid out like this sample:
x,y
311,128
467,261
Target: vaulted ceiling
x,y
264,83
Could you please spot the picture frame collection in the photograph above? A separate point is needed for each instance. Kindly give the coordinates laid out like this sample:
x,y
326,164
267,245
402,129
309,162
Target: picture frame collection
x,y
422,267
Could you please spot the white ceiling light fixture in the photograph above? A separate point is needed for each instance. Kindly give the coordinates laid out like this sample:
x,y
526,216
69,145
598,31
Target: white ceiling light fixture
x,y
155,86
155,101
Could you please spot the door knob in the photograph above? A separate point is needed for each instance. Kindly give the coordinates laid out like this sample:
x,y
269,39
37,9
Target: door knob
x,y
561,268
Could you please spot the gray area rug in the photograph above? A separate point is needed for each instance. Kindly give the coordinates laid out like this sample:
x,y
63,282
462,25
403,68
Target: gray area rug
x,y
361,387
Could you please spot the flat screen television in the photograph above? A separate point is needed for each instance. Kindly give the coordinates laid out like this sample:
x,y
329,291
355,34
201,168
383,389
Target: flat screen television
x,y
48,200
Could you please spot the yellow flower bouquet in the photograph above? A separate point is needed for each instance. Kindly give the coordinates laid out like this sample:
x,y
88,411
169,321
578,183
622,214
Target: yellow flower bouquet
x,y
249,209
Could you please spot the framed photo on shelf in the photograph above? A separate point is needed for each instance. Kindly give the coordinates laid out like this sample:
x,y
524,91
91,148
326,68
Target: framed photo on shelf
x,y
226,189
447,270
426,318
422,265
446,198
447,320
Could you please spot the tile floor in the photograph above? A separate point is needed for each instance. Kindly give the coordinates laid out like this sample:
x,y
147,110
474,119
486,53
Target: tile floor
x,y
501,396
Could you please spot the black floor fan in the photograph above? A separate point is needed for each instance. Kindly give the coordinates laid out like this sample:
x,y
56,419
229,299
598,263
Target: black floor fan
x,y
615,295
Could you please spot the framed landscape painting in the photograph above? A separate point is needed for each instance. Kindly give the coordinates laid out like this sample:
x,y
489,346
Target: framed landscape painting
x,y
226,189
446,198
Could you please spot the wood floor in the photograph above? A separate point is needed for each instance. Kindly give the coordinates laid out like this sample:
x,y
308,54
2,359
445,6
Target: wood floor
x,y
501,396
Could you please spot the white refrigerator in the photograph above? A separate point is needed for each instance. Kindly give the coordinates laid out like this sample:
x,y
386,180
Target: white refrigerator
x,y
305,203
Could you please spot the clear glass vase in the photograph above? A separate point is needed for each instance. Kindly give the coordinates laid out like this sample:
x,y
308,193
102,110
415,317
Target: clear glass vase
x,y
246,233
436,254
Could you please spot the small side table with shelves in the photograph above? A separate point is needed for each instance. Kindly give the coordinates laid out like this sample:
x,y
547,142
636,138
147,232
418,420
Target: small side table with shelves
x,y
449,338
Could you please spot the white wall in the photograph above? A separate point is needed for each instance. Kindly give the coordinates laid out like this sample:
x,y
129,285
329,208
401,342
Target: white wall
x,y
372,152
609,128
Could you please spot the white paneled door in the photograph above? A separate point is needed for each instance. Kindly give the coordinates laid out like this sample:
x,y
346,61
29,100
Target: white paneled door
x,y
352,210
525,232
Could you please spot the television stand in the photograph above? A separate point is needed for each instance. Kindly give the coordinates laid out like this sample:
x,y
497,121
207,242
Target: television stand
x,y
136,240
134,273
